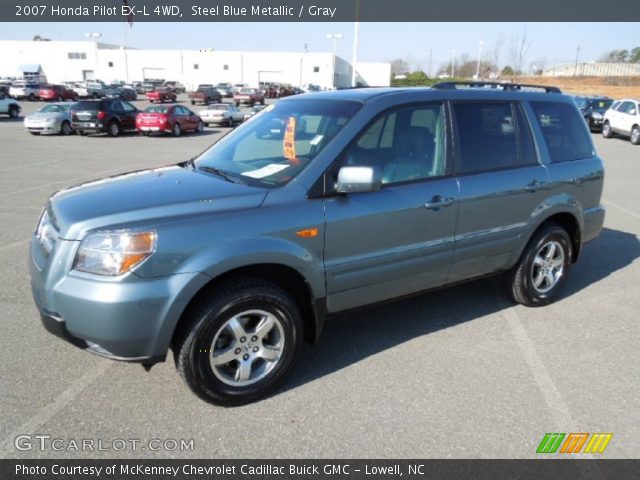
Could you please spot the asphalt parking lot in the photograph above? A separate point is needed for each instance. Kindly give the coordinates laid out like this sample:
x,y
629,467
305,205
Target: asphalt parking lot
x,y
456,373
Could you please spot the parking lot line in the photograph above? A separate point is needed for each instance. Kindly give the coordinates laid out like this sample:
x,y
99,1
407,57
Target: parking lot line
x,y
7,447
621,208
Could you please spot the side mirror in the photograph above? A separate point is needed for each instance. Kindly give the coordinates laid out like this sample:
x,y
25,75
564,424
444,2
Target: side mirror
x,y
358,180
632,111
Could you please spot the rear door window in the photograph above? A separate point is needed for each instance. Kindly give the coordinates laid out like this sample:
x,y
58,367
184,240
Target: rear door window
x,y
564,131
487,137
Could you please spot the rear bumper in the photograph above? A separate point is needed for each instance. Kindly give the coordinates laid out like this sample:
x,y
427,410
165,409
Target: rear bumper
x,y
593,223
83,127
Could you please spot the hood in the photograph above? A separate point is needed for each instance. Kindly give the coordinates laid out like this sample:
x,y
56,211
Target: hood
x,y
146,197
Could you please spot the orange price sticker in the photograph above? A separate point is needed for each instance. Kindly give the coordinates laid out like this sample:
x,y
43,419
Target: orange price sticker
x,y
289,142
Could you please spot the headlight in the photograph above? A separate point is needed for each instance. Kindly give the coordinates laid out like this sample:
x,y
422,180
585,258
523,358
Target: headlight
x,y
114,253
596,115
49,121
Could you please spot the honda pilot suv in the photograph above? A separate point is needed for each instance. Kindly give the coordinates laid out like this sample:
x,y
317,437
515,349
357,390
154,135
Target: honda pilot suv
x,y
233,258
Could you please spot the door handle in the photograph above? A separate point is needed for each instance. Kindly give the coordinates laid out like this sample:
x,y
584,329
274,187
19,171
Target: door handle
x,y
437,202
534,186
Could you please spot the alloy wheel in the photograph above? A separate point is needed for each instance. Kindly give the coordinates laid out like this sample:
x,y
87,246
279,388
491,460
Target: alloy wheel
x,y
548,266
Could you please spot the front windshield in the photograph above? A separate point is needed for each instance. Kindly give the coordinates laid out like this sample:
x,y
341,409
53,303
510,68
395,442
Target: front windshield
x,y
599,105
279,143
56,108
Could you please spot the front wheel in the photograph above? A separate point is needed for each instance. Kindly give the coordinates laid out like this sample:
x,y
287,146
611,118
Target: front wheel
x,y
541,272
200,127
606,130
177,131
113,129
635,136
32,97
65,128
239,343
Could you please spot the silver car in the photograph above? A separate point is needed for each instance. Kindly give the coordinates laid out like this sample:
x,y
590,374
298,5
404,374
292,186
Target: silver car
x,y
221,114
54,118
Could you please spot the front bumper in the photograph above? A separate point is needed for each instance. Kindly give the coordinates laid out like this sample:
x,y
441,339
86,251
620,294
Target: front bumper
x,y
43,128
129,319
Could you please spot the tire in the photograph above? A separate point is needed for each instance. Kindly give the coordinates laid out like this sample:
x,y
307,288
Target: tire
x,y
75,98
35,133
237,104
230,122
262,102
32,97
552,246
193,102
113,130
13,111
60,99
82,133
94,95
635,135
177,131
65,128
200,127
606,130
207,324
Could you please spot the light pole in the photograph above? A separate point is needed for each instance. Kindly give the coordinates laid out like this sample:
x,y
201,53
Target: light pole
x,y
354,58
480,43
333,37
453,63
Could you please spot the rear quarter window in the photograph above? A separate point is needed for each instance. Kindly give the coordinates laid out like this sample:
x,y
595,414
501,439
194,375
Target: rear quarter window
x,y
563,130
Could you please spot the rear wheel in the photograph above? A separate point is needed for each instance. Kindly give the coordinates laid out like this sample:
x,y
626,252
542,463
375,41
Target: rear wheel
x,y
113,129
65,128
606,130
32,97
635,135
541,272
239,343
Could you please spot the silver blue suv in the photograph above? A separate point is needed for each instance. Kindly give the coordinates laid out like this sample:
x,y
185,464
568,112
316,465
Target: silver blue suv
x,y
320,203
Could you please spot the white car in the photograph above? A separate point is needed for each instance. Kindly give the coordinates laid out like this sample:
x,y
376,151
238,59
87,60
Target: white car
x,y
51,119
623,118
221,114
9,106
21,89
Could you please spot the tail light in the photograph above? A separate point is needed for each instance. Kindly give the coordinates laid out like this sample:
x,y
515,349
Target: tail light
x,y
102,115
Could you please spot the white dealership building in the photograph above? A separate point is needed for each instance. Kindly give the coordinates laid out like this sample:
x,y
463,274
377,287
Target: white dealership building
x,y
63,61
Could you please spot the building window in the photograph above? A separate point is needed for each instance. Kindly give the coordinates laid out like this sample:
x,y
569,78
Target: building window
x,y
111,64
316,69
76,56
83,56
225,67
196,66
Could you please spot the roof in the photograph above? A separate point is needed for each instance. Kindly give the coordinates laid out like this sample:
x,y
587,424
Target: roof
x,y
30,68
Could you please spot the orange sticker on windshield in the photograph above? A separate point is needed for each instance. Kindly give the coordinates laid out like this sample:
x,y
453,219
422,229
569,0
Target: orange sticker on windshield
x,y
289,142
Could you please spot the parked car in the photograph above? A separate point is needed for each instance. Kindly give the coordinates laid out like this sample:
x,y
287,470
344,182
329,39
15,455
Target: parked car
x,y
24,90
248,96
255,109
593,110
205,94
623,118
123,93
91,89
177,87
9,106
137,86
237,256
161,95
225,89
221,114
109,115
59,93
174,119
54,118
238,86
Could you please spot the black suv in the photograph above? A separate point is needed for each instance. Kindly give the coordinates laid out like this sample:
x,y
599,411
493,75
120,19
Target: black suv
x,y
592,109
109,115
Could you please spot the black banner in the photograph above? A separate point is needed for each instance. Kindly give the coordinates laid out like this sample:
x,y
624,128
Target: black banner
x,y
318,11
573,469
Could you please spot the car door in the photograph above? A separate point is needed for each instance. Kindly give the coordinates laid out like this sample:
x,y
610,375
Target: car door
x,y
625,117
501,184
398,240
235,113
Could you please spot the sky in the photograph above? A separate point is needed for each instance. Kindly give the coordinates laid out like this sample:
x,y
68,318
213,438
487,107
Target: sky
x,y
550,42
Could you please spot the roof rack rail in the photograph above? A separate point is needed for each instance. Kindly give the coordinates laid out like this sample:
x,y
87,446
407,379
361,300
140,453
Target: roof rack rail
x,y
496,85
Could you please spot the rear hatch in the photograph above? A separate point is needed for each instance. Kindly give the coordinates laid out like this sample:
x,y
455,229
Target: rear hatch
x,y
86,112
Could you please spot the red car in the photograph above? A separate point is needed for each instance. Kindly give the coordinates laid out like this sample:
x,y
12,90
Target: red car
x,y
248,96
173,119
162,94
59,93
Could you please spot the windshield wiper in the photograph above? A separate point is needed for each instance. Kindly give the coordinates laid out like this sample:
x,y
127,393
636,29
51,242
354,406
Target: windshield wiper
x,y
221,173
